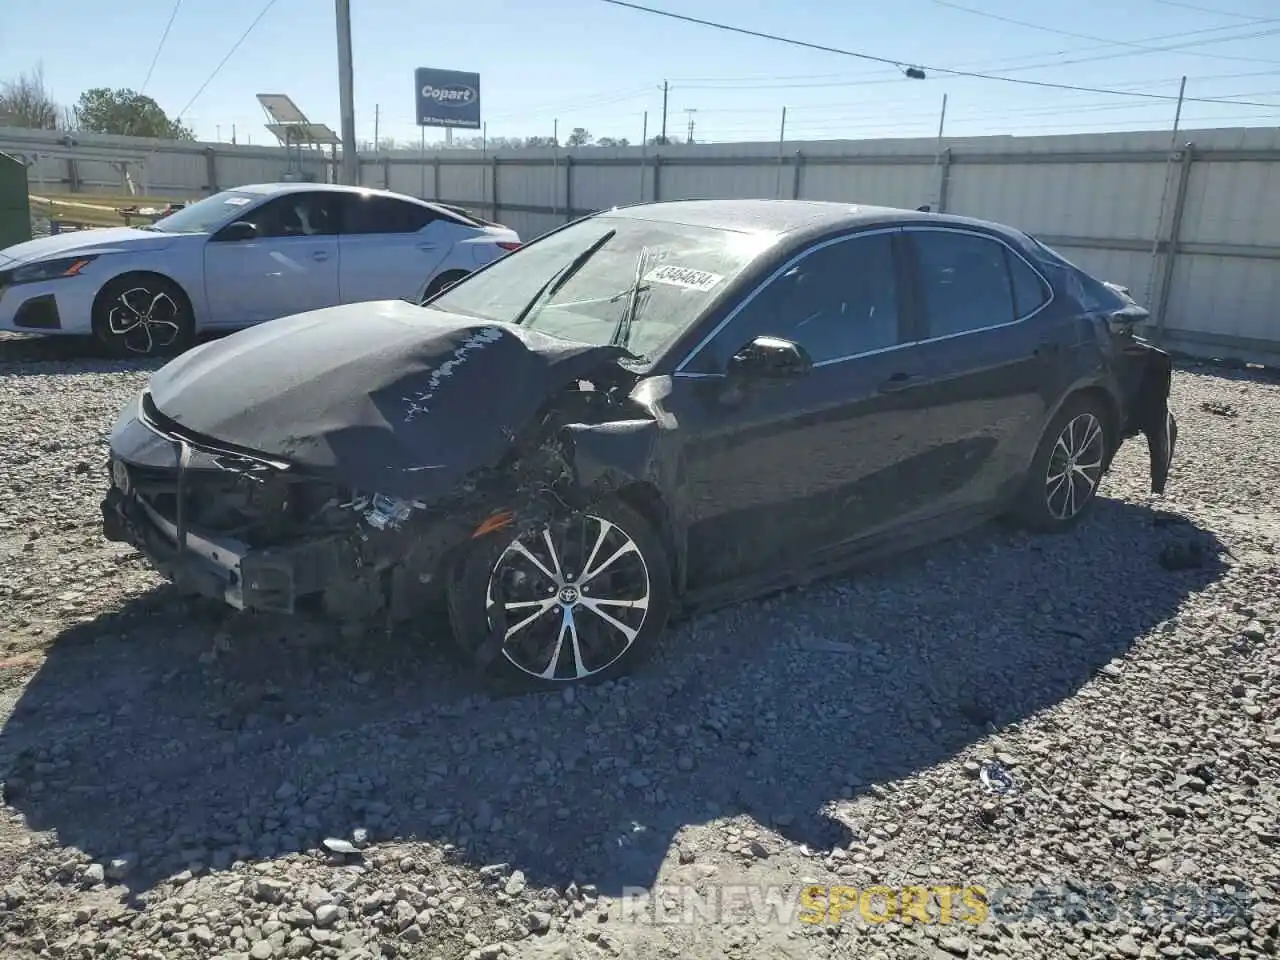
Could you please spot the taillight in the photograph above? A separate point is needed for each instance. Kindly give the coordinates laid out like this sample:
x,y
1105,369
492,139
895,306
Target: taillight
x,y
509,244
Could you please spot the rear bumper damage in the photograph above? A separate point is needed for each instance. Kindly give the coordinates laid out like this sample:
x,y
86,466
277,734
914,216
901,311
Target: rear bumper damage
x,y
1148,408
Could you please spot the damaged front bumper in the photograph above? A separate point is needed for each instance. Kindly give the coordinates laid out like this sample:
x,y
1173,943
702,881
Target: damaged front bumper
x,y
259,536
222,568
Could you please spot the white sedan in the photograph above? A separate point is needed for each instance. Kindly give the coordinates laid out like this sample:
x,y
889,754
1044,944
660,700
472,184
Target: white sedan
x,y
237,258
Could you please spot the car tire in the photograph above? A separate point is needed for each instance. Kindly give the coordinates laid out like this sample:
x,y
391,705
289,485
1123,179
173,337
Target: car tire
x,y
143,315
440,283
1060,487
561,629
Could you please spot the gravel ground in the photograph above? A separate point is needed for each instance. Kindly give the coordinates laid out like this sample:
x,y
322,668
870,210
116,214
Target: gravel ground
x,y
172,774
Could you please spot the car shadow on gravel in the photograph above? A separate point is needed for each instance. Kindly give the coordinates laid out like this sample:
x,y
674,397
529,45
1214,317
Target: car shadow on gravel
x,y
24,349
168,734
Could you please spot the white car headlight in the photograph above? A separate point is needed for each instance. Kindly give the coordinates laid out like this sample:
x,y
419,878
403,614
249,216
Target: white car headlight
x,y
49,269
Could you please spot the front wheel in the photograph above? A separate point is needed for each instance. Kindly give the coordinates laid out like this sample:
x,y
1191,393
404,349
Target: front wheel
x,y
581,600
1063,480
143,315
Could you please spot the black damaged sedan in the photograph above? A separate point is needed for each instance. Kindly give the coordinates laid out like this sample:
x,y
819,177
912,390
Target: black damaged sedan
x,y
646,412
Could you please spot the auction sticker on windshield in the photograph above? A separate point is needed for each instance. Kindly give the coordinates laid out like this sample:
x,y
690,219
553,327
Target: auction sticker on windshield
x,y
236,201
686,277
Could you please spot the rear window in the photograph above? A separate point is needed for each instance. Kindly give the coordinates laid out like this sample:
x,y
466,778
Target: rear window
x,y
466,216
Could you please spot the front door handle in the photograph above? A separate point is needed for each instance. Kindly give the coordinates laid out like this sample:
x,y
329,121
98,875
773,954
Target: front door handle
x,y
1048,350
320,255
426,246
899,381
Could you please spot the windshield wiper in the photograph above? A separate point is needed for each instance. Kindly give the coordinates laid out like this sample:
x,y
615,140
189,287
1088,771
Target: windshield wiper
x,y
622,332
558,280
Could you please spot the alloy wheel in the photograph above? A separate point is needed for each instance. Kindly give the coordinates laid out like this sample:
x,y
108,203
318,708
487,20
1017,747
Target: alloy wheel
x,y
145,320
1075,466
570,599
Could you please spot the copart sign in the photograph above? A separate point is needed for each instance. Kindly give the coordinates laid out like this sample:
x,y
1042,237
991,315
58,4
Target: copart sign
x,y
447,98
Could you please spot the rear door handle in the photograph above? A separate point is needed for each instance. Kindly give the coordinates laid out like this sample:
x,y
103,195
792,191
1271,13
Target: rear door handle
x,y
1048,350
320,255
426,246
899,381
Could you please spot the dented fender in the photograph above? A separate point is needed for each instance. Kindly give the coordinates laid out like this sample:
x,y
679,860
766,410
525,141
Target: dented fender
x,y
611,454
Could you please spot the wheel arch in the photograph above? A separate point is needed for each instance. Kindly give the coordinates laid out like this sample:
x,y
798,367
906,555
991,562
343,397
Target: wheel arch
x,y
1098,393
95,309
1110,407
647,500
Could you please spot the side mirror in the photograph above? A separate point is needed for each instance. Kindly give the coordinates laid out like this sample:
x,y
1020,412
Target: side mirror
x,y
240,230
770,358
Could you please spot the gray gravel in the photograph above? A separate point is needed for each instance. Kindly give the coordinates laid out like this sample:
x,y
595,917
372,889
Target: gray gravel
x,y
183,783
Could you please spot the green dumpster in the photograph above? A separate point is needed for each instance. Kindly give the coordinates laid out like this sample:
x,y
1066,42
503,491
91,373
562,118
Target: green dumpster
x,y
15,207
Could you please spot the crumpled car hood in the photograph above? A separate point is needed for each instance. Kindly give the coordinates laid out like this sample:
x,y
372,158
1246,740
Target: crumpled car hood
x,y
386,397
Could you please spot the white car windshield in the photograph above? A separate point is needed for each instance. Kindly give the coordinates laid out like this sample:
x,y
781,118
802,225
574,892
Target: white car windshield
x,y
205,216
684,269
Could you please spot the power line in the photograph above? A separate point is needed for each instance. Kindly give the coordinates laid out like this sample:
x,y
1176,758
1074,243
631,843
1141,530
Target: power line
x,y
693,83
1171,48
1137,45
808,121
1220,13
1015,62
822,113
927,126
902,65
160,46
234,47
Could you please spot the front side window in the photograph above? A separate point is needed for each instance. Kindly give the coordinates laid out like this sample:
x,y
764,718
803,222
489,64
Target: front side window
x,y
963,280
839,301
682,269
207,215
295,215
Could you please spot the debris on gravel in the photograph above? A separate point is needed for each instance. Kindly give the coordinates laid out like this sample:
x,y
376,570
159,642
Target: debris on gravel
x,y
1002,746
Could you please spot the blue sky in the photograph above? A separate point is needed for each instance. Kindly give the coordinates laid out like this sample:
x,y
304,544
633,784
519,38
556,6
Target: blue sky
x,y
585,63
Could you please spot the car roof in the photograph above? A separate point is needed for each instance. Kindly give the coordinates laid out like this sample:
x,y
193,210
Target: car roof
x,y
297,186
785,217
457,214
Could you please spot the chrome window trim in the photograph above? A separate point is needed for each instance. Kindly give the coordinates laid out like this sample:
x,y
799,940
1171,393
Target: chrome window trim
x,y
901,228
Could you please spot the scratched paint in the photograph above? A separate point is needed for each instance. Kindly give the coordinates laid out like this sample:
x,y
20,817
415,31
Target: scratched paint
x,y
420,403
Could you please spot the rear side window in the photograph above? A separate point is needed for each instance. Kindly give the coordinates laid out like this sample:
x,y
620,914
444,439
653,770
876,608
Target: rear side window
x,y
964,281
1029,290
371,213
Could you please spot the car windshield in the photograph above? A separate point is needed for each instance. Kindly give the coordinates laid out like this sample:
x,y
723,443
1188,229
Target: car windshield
x,y
205,216
684,269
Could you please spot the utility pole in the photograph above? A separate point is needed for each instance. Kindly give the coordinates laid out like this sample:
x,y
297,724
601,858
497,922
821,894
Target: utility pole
x,y
377,116
346,94
666,87
690,111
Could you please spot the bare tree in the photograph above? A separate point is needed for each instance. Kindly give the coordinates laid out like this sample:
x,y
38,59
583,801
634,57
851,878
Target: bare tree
x,y
25,102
